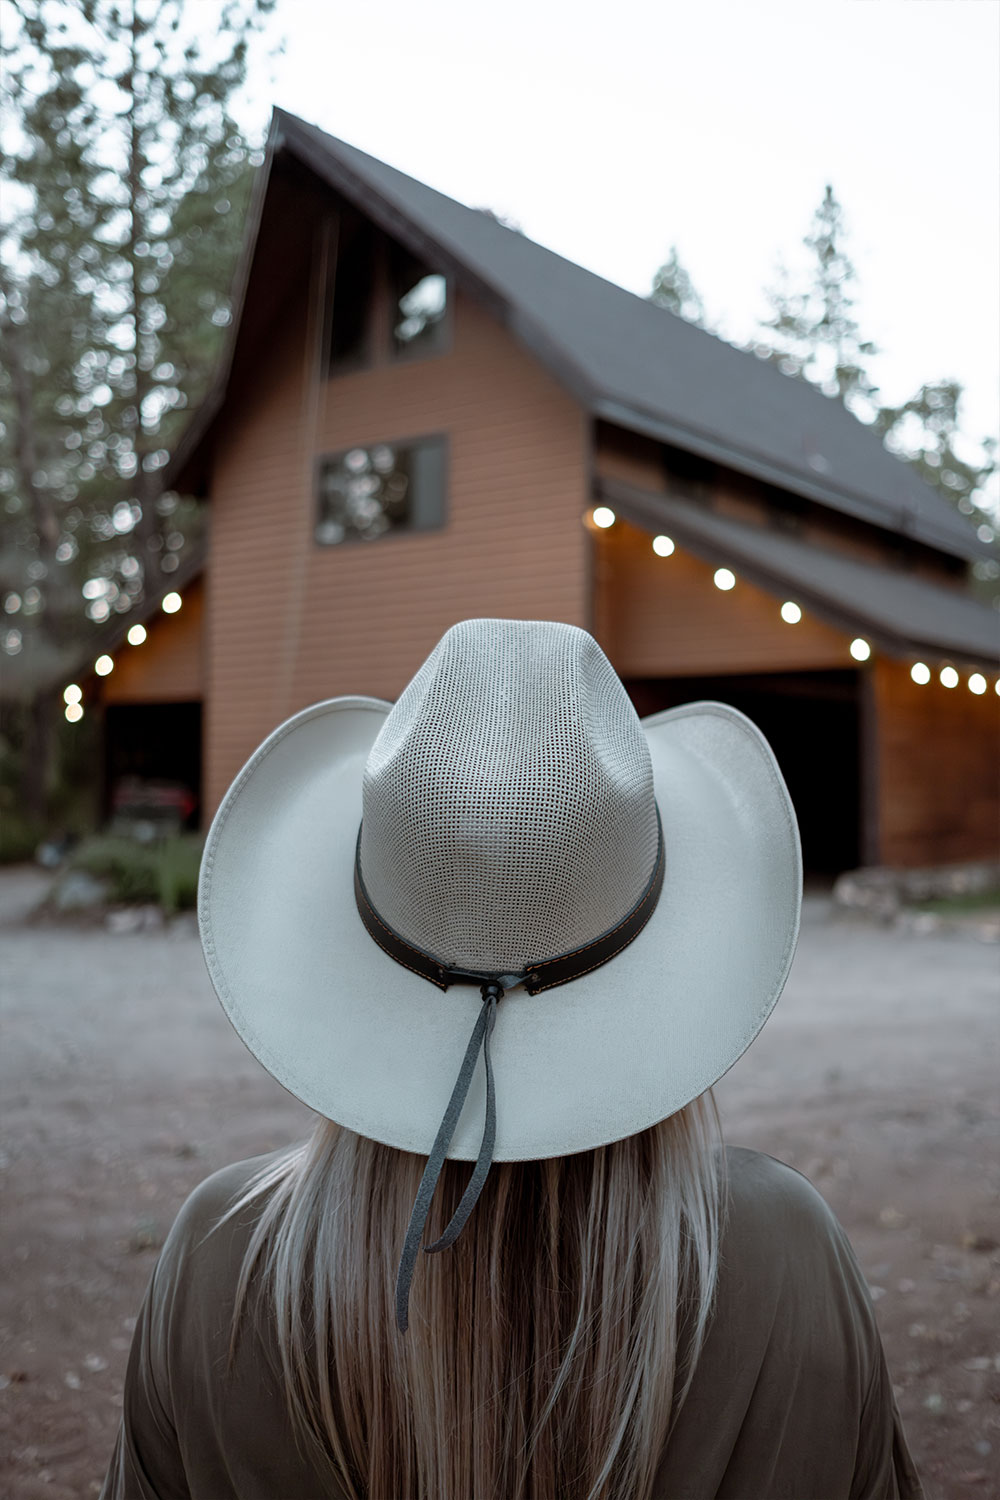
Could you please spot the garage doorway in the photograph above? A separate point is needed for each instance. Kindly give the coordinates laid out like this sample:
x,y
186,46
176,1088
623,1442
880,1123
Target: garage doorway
x,y
152,764
812,721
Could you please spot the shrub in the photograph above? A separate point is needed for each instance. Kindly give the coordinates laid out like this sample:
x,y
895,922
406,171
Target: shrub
x,y
179,864
164,872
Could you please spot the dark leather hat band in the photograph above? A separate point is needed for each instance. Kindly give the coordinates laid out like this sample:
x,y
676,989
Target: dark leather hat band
x,y
543,975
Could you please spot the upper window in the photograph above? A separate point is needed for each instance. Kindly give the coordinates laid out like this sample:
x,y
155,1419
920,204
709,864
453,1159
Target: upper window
x,y
418,302
366,492
352,292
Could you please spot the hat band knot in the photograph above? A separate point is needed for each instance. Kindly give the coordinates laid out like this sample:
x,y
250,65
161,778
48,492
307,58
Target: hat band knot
x,y
535,977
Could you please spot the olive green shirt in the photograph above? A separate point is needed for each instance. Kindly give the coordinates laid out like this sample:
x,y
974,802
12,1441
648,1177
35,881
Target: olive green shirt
x,y
791,1396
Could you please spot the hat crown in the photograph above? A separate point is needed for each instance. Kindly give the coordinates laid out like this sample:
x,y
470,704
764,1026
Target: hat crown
x,y
508,806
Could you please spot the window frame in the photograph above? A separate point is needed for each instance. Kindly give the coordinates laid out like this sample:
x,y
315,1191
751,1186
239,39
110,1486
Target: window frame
x,y
400,354
379,349
366,357
410,441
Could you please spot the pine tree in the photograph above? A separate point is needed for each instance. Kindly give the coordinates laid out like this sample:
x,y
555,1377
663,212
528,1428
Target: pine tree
x,y
52,325
812,331
924,431
132,182
673,289
812,334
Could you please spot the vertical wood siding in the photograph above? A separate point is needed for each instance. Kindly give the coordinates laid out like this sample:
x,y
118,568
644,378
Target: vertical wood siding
x,y
938,762
169,666
290,622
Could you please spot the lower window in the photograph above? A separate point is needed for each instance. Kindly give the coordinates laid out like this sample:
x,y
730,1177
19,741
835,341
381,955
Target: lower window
x,y
365,493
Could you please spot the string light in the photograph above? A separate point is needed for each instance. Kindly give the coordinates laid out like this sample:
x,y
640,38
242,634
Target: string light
x,y
103,665
72,694
74,712
171,603
603,517
791,613
136,635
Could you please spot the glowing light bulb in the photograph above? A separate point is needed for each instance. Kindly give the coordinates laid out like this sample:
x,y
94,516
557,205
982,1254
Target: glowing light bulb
x,y
136,635
662,546
603,517
103,665
790,612
948,677
72,694
920,672
977,683
724,579
74,712
860,649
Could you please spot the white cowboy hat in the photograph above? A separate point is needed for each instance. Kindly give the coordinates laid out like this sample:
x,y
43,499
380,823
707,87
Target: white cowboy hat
x,y
509,803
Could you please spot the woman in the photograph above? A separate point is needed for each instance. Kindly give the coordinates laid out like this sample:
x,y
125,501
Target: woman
x,y
507,877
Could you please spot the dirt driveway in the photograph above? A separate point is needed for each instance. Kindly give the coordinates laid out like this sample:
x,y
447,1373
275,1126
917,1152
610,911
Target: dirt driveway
x,y
122,1085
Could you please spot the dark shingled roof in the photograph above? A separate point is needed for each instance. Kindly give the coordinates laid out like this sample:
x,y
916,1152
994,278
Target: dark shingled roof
x,y
899,611
626,360
639,366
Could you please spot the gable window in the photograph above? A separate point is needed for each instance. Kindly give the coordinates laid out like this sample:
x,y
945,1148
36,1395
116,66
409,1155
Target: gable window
x,y
418,303
350,346
365,493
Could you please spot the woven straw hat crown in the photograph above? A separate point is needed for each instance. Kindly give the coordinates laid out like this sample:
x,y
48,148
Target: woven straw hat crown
x,y
508,807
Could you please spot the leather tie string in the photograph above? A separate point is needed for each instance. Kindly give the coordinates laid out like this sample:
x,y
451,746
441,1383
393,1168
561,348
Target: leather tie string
x,y
492,991
543,975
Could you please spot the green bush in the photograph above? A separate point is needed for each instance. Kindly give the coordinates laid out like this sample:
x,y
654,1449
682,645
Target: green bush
x,y
164,872
179,863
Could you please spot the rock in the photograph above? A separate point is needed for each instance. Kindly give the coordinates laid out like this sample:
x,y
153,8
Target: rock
x,y
984,1243
78,891
147,1235
124,920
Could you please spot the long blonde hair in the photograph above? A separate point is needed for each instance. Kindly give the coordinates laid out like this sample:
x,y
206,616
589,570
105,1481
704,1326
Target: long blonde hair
x,y
547,1351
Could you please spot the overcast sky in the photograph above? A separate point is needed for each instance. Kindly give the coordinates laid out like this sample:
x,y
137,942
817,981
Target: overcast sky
x,y
610,131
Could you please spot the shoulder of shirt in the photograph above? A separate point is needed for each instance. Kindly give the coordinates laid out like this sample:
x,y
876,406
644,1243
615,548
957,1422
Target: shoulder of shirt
x,y
771,1196
210,1202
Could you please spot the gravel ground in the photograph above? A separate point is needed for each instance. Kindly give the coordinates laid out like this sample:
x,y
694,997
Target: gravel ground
x,y
122,1085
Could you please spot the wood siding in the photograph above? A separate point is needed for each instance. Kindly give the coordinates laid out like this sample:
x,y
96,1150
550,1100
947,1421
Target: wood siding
x,y
169,666
938,766
291,622
664,617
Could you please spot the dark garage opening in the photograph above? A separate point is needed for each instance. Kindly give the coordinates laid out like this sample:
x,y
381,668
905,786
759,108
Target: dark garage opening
x,y
152,761
812,721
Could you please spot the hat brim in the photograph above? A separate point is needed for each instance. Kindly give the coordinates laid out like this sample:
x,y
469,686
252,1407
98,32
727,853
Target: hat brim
x,y
366,1042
